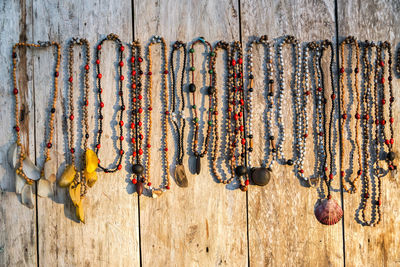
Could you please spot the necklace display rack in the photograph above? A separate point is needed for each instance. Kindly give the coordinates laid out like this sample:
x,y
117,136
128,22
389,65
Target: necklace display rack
x,y
26,172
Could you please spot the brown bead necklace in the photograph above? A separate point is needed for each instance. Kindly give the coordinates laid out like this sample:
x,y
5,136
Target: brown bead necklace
x,y
192,90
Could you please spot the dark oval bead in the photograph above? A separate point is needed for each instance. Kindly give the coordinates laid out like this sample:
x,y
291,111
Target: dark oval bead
x,y
53,110
391,156
250,149
251,90
270,94
251,76
274,150
271,81
87,136
250,136
289,162
192,88
211,90
271,137
240,170
137,169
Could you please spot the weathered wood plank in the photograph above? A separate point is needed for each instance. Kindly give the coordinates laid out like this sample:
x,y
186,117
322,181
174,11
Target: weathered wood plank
x,y
378,246
17,223
110,235
205,223
282,226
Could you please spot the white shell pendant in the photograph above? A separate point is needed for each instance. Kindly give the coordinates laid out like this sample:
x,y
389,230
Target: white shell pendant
x,y
12,155
44,188
19,183
50,170
30,170
26,196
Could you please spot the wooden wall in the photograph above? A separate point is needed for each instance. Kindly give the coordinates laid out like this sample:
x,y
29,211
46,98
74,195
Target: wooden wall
x,y
206,224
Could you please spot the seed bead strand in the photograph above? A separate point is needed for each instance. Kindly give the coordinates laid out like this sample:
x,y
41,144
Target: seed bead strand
x,y
177,113
17,127
263,40
288,40
192,89
121,48
137,110
85,103
158,40
216,152
389,141
352,42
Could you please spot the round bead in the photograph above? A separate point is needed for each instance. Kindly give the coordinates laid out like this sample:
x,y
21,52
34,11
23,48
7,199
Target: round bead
x,y
240,170
192,88
137,169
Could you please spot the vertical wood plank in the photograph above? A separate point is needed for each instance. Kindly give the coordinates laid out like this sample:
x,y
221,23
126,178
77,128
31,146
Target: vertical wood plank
x,y
377,246
110,235
17,223
205,223
282,227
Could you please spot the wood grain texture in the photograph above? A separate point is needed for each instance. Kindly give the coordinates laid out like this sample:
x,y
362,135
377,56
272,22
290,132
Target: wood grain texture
x,y
282,227
378,246
110,235
205,223
17,223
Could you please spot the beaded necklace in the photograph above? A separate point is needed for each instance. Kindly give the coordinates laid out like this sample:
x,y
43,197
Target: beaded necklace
x,y
328,211
313,179
177,115
137,112
26,171
261,175
236,113
216,150
121,48
290,40
165,184
192,89
352,42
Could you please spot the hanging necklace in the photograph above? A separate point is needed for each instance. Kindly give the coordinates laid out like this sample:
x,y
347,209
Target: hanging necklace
x,y
216,150
177,115
165,184
236,114
313,179
192,89
78,181
328,211
290,40
389,141
136,118
261,175
121,48
26,171
352,42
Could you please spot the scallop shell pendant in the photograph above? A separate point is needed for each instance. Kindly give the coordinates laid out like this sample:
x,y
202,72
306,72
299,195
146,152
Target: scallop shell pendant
x,y
12,155
27,196
328,211
180,176
30,170
44,188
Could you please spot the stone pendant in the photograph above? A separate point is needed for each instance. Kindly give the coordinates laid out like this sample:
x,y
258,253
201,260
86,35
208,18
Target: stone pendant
x,y
139,187
260,176
180,176
198,164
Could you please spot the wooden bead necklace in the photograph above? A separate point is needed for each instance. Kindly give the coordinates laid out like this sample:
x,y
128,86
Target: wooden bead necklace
x,y
216,150
261,175
328,211
33,174
313,179
351,42
192,89
49,145
120,153
136,120
177,116
236,113
290,40
166,183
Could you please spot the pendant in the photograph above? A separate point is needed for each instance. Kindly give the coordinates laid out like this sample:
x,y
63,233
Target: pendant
x,y
180,176
198,164
260,176
26,196
155,193
44,188
139,187
328,211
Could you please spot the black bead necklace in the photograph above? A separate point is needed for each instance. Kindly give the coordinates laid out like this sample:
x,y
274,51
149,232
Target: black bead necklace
x,y
114,38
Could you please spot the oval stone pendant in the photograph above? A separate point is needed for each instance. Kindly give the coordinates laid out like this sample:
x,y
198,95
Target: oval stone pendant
x,y
198,164
180,176
261,176
139,187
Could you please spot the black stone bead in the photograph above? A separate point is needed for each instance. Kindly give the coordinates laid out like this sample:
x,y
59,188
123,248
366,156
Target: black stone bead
x,y
391,156
192,88
250,149
123,107
251,90
87,136
137,169
271,81
289,162
211,90
240,170
251,76
274,150
141,72
271,138
53,110
250,136
138,85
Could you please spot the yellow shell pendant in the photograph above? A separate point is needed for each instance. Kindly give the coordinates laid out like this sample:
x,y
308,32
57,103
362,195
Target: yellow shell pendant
x,y
68,176
92,162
